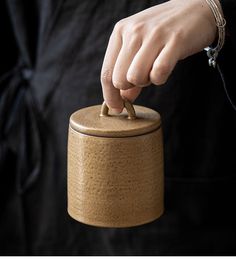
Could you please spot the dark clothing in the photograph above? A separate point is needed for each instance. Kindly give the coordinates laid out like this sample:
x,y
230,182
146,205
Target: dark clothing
x,y
52,52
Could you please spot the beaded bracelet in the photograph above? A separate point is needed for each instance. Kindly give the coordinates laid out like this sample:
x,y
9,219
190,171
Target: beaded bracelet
x,y
212,52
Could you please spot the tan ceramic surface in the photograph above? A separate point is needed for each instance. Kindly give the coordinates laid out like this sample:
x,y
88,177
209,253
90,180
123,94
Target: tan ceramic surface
x,y
115,168
115,182
88,121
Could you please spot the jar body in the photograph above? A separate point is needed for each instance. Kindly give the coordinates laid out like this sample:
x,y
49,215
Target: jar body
x,y
115,182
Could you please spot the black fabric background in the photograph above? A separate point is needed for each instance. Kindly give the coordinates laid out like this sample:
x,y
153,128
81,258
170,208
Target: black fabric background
x,y
51,56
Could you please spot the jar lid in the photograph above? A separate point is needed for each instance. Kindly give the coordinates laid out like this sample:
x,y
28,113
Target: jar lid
x,y
90,122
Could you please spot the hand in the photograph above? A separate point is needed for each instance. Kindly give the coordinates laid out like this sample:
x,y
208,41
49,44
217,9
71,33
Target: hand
x,y
144,48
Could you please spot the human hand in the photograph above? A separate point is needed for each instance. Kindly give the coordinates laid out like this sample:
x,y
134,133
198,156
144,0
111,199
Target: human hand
x,y
145,47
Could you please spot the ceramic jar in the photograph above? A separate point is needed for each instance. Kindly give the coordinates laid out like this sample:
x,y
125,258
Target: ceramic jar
x,y
115,166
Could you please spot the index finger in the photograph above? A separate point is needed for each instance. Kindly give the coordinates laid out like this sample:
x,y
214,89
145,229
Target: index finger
x,y
111,95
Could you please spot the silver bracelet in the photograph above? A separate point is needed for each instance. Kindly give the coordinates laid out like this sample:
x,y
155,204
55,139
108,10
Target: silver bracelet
x,y
212,52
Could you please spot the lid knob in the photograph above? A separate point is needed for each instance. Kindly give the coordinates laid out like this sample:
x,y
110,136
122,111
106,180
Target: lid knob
x,y
128,105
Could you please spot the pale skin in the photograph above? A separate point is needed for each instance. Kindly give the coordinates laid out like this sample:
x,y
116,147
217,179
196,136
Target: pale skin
x,y
145,47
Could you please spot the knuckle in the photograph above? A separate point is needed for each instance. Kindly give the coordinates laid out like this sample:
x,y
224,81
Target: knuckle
x,y
106,76
178,36
135,29
119,26
157,33
157,30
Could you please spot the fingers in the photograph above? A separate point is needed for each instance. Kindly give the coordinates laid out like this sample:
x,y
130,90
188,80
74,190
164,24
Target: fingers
x,y
164,64
152,65
111,95
132,60
124,59
139,70
146,46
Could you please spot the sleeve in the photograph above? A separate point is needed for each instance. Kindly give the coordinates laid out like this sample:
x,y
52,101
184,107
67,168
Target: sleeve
x,y
227,56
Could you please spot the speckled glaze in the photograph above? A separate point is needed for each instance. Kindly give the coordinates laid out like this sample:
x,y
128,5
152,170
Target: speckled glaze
x,y
115,181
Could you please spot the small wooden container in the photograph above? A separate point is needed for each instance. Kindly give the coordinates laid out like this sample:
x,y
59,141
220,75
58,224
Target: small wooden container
x,y
115,166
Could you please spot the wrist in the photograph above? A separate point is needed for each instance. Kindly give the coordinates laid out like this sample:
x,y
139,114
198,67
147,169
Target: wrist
x,y
216,9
